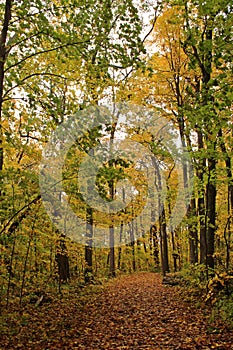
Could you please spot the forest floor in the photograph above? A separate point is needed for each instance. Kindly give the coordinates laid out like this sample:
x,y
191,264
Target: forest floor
x,y
130,312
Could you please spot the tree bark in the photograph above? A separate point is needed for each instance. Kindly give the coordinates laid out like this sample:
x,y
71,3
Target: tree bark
x,y
112,269
163,228
153,233
112,266
62,260
3,54
201,201
193,233
162,223
211,214
88,271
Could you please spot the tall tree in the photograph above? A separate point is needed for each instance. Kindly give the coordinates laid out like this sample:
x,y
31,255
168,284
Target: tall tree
x,y
201,44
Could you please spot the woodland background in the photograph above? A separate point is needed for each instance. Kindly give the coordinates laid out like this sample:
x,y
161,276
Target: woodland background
x,y
59,57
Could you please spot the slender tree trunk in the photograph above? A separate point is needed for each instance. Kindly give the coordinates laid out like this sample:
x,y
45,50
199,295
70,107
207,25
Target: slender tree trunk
x,y
3,56
229,225
120,248
112,266
211,185
26,259
121,234
227,231
154,238
112,269
162,223
132,244
163,228
201,201
24,270
211,213
153,233
191,228
10,271
175,254
88,271
193,233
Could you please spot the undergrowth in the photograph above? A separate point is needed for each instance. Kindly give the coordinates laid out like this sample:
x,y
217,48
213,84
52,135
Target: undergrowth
x,y
215,292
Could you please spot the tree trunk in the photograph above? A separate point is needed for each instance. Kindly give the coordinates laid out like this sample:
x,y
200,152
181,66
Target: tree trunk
x,y
112,267
211,213
153,233
201,200
62,260
112,270
162,223
227,231
193,233
88,271
120,249
163,228
121,234
3,55
132,244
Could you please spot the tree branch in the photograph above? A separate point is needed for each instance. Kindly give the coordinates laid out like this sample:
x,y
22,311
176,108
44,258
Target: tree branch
x,y
30,76
43,52
23,212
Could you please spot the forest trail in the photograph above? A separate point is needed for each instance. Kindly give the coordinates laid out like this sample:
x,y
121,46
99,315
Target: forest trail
x,y
131,312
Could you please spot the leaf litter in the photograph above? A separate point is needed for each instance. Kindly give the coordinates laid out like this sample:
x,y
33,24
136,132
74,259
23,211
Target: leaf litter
x,y
130,312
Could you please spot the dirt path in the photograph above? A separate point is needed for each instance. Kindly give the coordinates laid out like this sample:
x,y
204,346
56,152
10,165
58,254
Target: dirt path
x,y
133,312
